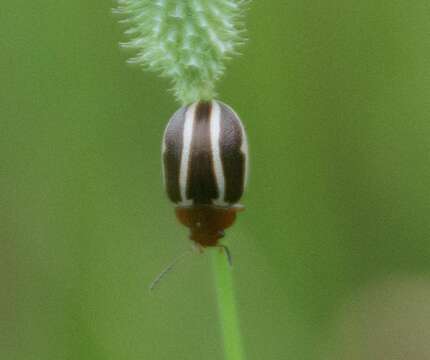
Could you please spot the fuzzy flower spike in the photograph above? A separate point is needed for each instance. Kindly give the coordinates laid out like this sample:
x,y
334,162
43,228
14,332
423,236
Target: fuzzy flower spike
x,y
187,41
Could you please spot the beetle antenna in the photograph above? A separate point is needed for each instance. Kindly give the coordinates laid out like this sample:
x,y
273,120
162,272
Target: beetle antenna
x,y
227,253
168,268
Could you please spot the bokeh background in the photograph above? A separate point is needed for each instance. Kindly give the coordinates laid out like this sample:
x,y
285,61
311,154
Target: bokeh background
x,y
332,255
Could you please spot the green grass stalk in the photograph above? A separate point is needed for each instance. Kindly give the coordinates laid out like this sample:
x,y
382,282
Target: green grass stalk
x,y
227,309
189,41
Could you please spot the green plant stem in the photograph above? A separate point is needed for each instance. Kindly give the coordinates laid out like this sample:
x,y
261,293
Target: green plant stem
x,y
229,319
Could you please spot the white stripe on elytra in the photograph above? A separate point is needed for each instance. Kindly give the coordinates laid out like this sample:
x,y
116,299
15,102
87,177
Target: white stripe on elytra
x,y
186,149
244,149
215,131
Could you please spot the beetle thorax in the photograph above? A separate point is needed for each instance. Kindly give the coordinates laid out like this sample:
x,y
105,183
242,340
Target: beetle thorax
x,y
206,223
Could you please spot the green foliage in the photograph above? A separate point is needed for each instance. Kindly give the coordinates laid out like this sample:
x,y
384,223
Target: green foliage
x,y
186,41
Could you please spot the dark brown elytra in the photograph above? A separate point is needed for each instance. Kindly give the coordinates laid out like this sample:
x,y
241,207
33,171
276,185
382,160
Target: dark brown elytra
x,y
207,222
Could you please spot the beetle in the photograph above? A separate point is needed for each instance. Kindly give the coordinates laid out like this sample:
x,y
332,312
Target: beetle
x,y
205,170
205,162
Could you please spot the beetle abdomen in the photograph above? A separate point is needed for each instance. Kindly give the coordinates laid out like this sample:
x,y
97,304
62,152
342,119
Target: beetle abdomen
x,y
205,155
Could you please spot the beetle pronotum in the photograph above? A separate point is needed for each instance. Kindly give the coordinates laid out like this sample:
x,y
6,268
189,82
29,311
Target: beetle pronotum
x,y
205,163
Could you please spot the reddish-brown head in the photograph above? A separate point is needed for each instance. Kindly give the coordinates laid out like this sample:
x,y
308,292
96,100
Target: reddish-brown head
x,y
206,223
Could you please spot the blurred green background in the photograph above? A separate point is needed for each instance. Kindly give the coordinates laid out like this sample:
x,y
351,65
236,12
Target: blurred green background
x,y
331,255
